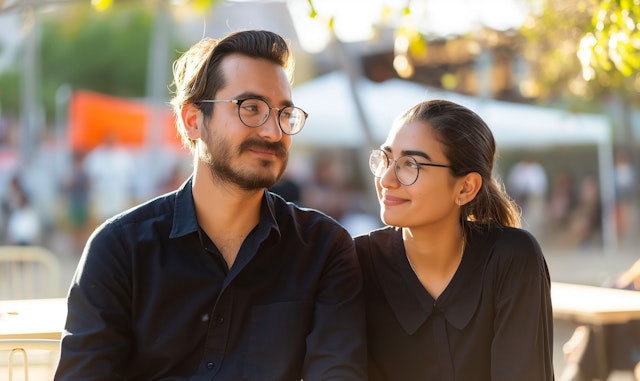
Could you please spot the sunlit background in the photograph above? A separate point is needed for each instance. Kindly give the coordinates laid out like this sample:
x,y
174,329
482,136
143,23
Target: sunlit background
x,y
558,82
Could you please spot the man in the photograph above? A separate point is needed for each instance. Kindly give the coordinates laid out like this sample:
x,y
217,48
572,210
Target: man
x,y
221,280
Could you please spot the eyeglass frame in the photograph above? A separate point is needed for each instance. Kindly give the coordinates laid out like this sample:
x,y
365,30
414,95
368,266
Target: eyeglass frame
x,y
395,166
239,102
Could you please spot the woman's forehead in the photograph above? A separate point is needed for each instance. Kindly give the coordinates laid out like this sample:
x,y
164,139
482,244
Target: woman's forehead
x,y
416,136
411,133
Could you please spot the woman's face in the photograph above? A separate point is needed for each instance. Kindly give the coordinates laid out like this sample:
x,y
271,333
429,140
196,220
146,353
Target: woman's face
x,y
431,200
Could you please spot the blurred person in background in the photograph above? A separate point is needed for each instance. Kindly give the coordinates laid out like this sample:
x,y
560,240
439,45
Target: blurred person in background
x,y
585,219
527,185
221,279
24,226
454,290
624,176
75,188
327,189
111,171
562,201
287,188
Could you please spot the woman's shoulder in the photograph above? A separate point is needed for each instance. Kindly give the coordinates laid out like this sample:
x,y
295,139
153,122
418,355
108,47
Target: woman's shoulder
x,y
516,238
511,247
500,236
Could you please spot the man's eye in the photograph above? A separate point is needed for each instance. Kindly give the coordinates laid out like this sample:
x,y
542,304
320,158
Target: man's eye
x,y
251,107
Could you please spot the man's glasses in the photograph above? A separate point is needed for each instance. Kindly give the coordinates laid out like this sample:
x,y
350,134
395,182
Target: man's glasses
x,y
254,112
405,167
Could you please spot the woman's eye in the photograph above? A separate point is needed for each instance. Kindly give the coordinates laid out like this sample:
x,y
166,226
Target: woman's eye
x,y
411,164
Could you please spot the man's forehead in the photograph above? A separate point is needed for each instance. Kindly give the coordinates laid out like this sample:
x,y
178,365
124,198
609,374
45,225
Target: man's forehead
x,y
255,77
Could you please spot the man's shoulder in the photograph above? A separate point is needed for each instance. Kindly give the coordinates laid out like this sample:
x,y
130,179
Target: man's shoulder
x,y
383,232
158,208
284,209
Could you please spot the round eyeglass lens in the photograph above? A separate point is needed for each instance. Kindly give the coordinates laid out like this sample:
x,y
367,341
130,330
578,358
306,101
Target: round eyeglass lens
x,y
407,169
253,112
291,120
378,163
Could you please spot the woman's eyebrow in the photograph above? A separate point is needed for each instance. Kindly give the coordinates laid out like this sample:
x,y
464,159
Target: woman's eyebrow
x,y
416,153
408,152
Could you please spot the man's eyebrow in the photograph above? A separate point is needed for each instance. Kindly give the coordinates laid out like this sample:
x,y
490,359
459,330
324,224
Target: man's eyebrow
x,y
249,94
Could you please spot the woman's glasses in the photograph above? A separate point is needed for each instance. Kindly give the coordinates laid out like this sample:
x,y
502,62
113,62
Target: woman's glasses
x,y
406,168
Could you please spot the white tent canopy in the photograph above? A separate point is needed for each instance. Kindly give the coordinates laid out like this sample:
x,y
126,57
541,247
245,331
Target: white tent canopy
x,y
333,121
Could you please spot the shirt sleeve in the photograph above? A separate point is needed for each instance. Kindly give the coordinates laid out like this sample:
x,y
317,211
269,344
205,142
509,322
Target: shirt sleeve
x,y
336,346
96,341
522,348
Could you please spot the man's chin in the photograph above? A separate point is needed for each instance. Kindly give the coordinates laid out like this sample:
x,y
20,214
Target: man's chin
x,y
259,181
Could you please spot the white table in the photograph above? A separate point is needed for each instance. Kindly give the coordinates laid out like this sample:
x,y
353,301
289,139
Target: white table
x,y
32,318
596,307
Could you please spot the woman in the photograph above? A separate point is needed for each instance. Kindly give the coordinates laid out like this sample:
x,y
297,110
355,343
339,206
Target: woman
x,y
454,289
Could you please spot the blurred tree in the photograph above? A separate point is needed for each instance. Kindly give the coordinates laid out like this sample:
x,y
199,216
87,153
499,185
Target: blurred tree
x,y
104,51
584,49
587,54
9,90
582,55
575,48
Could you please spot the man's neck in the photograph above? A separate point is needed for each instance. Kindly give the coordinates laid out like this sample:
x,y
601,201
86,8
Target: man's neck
x,y
226,213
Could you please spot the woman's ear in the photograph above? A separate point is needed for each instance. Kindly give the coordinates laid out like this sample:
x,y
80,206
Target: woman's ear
x,y
192,120
471,184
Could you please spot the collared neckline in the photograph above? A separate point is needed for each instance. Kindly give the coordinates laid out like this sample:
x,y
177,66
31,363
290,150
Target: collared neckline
x,y
184,211
184,215
411,304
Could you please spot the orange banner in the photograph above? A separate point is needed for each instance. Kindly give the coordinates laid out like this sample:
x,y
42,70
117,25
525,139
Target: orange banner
x,y
93,117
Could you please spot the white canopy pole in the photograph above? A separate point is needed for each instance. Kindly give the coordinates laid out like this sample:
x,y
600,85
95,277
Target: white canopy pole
x,y
607,197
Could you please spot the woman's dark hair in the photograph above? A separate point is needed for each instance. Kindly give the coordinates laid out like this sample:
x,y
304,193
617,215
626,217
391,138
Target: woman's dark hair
x,y
197,74
469,147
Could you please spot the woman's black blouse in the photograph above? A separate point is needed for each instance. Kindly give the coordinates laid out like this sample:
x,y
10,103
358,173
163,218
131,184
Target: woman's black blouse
x,y
493,322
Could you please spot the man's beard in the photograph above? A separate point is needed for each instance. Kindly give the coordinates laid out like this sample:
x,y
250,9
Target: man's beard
x,y
218,158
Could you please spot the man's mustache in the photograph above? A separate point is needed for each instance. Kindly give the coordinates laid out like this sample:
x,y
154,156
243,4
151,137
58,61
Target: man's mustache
x,y
276,147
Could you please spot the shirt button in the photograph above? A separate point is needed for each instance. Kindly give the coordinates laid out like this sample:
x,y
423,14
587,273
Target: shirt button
x,y
211,365
219,319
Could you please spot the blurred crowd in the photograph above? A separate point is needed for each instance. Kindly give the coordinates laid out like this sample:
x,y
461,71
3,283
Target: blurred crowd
x,y
55,193
565,211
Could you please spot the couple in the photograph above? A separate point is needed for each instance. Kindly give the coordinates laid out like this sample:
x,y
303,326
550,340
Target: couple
x,y
222,280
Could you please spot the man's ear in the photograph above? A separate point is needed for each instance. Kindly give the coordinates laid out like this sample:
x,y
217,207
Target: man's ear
x,y
471,184
192,119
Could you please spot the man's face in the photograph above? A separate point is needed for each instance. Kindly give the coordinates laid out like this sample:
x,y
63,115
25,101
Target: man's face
x,y
251,158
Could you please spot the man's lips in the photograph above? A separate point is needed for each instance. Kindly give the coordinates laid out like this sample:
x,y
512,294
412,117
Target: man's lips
x,y
264,152
265,149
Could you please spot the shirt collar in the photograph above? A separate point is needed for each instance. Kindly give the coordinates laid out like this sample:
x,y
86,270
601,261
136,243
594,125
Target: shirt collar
x,y
412,307
268,212
184,214
184,211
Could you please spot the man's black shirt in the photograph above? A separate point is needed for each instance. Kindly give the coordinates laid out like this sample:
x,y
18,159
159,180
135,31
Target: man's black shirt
x,y
152,299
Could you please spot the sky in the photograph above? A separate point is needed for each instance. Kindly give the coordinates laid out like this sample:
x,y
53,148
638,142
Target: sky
x,y
354,18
